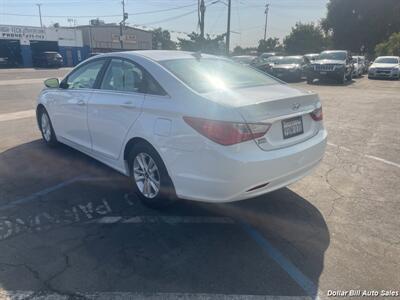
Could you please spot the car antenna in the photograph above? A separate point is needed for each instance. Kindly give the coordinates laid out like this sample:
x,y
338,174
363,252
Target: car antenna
x,y
197,55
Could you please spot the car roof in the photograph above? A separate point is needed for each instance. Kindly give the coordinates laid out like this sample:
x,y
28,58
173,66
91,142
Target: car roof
x,y
160,55
330,51
388,57
244,56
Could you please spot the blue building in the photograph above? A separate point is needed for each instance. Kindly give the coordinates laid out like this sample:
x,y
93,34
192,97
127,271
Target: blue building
x,y
19,44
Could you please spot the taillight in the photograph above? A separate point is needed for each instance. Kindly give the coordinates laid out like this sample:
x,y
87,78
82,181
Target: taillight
x,y
316,114
227,133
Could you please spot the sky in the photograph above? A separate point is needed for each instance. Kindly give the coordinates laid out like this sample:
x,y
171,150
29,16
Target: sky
x,y
179,16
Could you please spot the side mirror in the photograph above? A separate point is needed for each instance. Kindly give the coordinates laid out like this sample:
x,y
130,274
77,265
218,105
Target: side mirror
x,y
52,83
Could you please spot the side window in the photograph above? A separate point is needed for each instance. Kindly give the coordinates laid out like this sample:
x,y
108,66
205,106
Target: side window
x,y
153,87
123,76
85,76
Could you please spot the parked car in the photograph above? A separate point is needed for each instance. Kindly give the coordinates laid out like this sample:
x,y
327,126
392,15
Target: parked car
x,y
3,61
311,56
364,63
267,64
289,68
185,125
245,59
334,64
358,66
385,67
48,59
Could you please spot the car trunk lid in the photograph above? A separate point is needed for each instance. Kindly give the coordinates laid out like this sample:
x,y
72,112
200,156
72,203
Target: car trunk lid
x,y
278,105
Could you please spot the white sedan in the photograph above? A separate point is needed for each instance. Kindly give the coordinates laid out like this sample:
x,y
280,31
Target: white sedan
x,y
185,125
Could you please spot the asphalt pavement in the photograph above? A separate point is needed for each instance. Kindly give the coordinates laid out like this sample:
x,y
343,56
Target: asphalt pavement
x,y
70,228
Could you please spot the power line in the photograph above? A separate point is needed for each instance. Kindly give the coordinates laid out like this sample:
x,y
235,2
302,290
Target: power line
x,y
101,16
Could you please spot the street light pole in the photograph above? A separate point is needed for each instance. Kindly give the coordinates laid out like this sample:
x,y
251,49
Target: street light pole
x,y
228,28
266,20
202,17
122,24
40,14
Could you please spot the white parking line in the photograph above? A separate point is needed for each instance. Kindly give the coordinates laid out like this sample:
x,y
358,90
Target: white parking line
x,y
14,295
385,161
17,115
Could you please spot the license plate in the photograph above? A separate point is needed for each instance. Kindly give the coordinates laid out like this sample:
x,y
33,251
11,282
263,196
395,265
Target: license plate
x,y
292,127
322,73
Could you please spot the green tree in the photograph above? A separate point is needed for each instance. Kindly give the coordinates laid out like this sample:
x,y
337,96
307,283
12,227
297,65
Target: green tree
x,y
305,38
238,50
356,24
162,40
269,45
207,45
389,47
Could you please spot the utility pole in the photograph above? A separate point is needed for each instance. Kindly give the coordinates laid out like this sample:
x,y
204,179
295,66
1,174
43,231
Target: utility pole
x,y
266,20
202,8
122,24
228,28
40,14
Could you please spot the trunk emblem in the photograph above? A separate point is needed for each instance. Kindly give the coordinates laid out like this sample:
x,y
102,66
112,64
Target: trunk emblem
x,y
296,106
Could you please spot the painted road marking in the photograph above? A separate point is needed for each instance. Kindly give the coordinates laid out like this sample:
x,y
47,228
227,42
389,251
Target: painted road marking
x,y
302,280
14,295
10,228
385,161
42,192
17,115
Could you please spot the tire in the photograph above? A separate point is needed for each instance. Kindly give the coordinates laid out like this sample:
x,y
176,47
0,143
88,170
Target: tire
x,y
46,128
309,80
343,78
149,177
350,76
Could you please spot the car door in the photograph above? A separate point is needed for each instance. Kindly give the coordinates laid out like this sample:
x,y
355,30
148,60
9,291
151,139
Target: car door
x,y
70,111
115,106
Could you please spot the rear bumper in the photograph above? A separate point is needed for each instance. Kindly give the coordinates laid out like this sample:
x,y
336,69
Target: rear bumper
x,y
222,176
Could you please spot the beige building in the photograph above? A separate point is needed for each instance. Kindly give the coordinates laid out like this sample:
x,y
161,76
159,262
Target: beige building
x,y
106,38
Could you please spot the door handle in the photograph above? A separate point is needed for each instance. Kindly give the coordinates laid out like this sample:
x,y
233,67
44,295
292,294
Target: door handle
x,y
81,102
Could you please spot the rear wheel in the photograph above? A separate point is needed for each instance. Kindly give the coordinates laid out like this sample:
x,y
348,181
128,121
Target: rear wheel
x,y
46,128
149,177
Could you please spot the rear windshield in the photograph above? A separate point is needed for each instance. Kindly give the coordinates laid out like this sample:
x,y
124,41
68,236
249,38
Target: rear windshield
x,y
387,60
206,74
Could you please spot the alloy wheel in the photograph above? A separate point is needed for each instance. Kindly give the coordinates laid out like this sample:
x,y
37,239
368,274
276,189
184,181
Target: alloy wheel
x,y
146,175
46,128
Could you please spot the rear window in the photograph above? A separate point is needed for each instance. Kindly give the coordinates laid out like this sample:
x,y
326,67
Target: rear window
x,y
206,75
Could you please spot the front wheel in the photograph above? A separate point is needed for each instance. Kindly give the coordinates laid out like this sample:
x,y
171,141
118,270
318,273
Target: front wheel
x,y
342,79
46,128
149,177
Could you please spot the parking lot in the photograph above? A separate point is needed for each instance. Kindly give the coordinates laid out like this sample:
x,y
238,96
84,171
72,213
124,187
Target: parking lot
x,y
69,226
